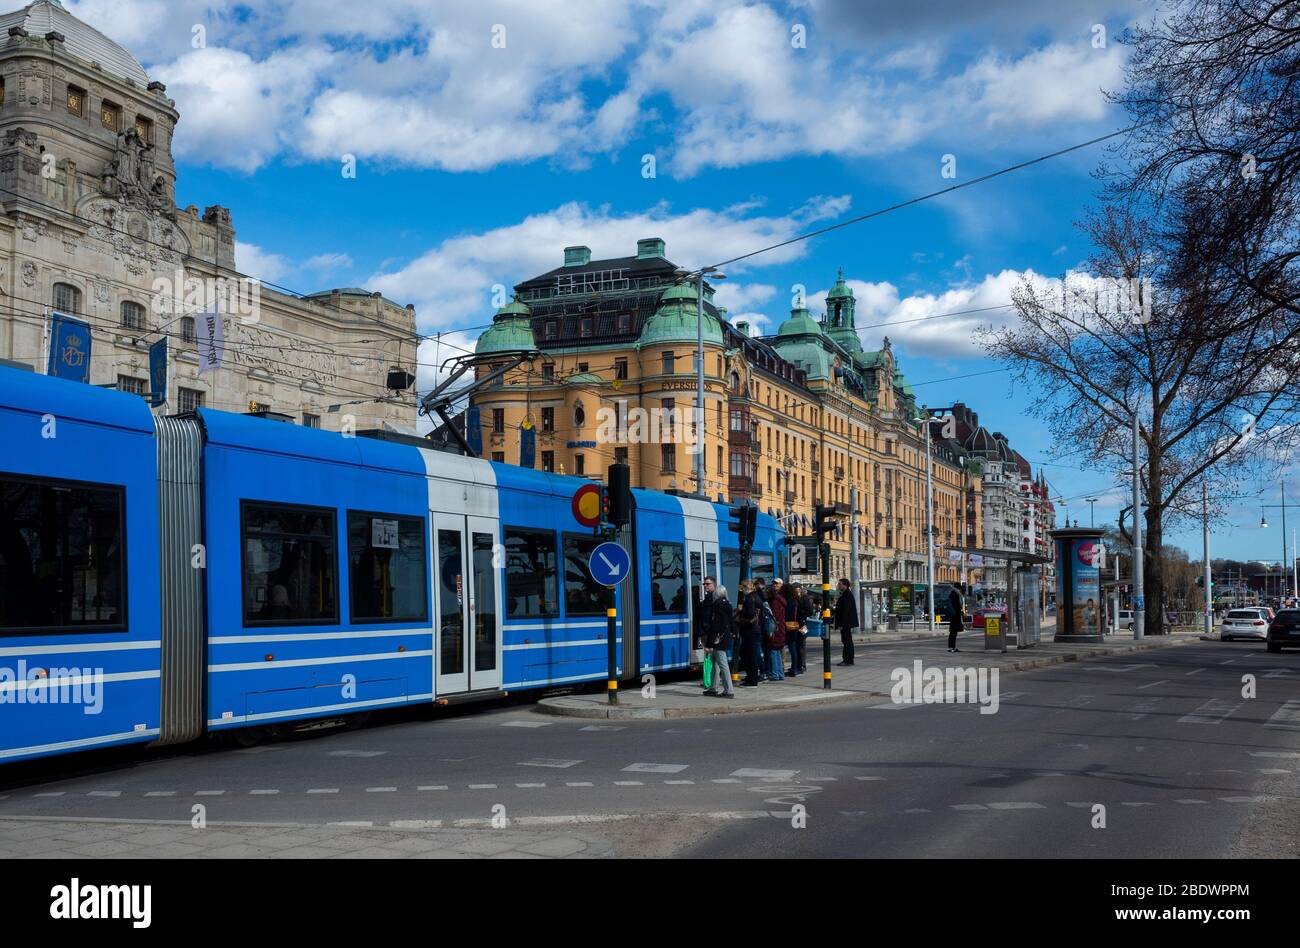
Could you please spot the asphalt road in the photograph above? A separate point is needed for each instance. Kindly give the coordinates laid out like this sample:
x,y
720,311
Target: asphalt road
x,y
1183,764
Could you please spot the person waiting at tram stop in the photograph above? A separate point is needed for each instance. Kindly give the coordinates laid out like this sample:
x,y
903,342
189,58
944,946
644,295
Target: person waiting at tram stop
x,y
774,632
719,627
846,620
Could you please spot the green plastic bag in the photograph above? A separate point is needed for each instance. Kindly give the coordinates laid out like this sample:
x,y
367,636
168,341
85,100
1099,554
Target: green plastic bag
x,y
708,669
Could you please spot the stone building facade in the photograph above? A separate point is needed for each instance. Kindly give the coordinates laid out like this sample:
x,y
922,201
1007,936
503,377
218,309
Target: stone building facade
x,y
801,417
90,228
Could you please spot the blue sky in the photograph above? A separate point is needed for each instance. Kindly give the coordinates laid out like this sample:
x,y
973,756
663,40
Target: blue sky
x,y
489,135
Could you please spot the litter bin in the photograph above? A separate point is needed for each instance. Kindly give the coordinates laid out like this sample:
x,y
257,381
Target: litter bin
x,y
995,633
814,628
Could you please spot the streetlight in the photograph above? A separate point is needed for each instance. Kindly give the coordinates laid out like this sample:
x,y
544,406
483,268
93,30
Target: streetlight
x,y
699,276
1092,506
1295,581
929,510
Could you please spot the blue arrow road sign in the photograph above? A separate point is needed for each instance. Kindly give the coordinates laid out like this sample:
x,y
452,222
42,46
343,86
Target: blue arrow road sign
x,y
609,564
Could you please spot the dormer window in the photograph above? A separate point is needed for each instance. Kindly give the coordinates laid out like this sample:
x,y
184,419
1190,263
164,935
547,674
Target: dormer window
x,y
110,116
76,101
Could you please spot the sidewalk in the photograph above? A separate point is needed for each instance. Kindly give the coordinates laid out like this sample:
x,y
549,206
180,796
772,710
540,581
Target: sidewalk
x,y
26,838
868,677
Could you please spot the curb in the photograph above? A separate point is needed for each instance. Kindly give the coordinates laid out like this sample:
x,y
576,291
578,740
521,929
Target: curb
x,y
617,712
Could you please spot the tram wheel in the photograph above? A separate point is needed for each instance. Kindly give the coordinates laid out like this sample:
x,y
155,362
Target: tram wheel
x,y
250,736
355,722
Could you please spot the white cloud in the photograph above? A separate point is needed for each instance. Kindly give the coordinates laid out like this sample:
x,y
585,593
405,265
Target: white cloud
x,y
260,264
327,262
454,282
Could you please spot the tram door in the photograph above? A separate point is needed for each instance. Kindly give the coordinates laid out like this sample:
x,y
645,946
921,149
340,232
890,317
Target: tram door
x,y
467,596
702,559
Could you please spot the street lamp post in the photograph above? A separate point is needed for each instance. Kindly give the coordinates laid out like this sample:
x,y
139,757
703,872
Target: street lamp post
x,y
1282,564
1092,506
929,511
699,276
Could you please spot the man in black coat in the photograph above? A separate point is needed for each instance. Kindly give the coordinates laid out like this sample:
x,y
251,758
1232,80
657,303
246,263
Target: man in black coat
x,y
846,620
955,624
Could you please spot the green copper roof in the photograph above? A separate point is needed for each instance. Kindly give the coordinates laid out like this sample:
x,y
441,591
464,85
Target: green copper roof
x,y
800,323
584,378
511,330
676,319
869,359
840,289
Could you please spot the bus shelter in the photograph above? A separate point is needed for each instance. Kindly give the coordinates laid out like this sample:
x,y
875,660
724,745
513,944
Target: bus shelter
x,y
1022,617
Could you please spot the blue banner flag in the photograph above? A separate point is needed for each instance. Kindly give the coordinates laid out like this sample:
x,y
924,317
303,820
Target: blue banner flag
x,y
69,348
474,430
158,372
527,445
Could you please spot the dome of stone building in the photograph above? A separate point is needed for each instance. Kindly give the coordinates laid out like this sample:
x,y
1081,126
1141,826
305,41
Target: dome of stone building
x,y
800,323
511,330
676,318
79,38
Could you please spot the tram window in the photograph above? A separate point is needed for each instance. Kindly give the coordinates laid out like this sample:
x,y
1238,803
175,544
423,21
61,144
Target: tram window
x,y
530,573
667,578
290,564
62,560
761,565
583,596
731,573
386,568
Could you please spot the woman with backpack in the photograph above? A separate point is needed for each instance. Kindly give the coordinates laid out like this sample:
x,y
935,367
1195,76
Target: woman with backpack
x,y
774,634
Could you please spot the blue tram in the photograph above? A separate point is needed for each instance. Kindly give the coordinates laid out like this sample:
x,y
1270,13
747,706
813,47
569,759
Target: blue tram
x,y
162,578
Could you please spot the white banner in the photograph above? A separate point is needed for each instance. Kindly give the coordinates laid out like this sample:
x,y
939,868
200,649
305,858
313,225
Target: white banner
x,y
211,339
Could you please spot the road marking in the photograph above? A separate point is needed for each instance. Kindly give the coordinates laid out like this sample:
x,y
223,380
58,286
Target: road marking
x,y
917,809
1211,712
357,753
1272,770
1279,673
1116,668
482,786
753,772
820,779
52,793
104,793
1152,684
1017,805
208,793
1286,717
264,793
604,727
161,793
656,768
868,778
1288,754
440,786
1191,801
1195,671
328,790
381,789
725,780
530,786
351,823
526,723
579,783
629,783
679,783
415,824
557,762
1242,799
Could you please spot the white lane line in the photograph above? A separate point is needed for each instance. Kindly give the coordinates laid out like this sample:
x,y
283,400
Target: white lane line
x,y
263,793
357,753
1017,805
580,783
324,790
1242,799
1152,684
725,780
753,772
209,793
381,789
868,778
1286,718
1287,754
1212,712
161,793
820,779
352,823
104,793
1195,671
1190,801
526,723
52,793
482,786
438,786
656,768
556,762
530,786
415,824
679,783
629,783
603,727
1272,770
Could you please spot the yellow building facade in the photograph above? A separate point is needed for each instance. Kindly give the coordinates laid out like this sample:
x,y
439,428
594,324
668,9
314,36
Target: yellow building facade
x,y
803,417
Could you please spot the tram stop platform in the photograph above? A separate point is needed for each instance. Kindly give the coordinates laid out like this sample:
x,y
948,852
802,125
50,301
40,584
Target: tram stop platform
x,y
680,694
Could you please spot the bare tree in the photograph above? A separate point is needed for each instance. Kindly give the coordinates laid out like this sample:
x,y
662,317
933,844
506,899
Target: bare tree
x,y
1146,334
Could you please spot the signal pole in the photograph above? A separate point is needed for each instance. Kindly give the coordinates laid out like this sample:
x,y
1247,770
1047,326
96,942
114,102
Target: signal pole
x,y
1139,604
1205,549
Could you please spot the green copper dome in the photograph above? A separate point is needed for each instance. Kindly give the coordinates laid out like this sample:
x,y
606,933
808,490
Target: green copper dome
x,y
800,342
511,330
800,323
840,289
676,319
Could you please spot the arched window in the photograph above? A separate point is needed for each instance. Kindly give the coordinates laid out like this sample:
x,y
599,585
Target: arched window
x,y
67,298
132,315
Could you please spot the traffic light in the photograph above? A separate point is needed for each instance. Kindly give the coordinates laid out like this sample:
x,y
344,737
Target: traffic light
x,y
744,523
618,506
823,521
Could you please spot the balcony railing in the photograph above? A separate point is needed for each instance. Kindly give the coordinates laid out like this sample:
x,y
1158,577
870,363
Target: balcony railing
x,y
740,437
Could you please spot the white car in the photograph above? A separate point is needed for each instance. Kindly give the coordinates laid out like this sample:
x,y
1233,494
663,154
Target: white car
x,y
1245,624
1126,620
